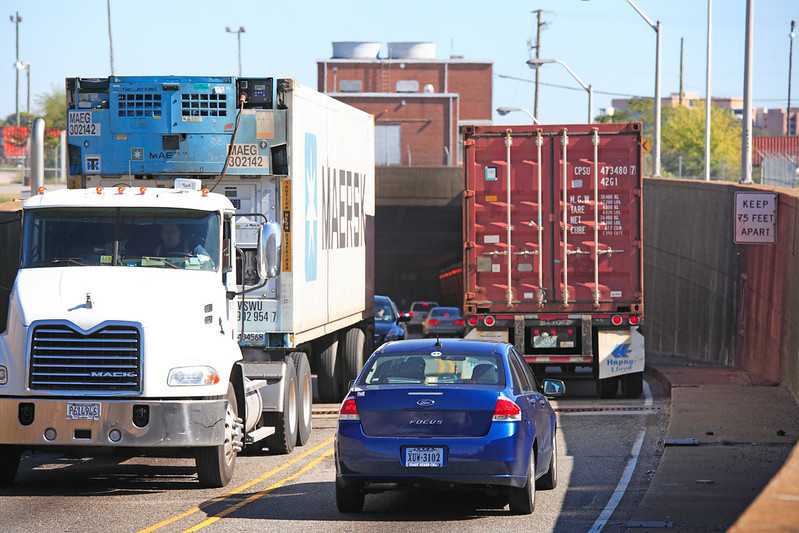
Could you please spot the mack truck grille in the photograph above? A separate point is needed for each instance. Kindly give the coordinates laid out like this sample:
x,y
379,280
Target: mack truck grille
x,y
105,360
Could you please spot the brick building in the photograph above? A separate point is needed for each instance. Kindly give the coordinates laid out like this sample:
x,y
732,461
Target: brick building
x,y
420,103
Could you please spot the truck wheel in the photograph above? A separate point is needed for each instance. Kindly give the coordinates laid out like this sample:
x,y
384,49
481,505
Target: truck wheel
x,y
285,436
353,356
632,385
327,382
606,388
304,396
215,464
9,464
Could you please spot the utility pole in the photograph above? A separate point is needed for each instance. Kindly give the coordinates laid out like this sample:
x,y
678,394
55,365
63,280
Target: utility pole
x,y
537,47
16,19
790,61
682,56
110,41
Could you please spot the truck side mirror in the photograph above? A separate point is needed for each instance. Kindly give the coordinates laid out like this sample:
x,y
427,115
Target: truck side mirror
x,y
269,244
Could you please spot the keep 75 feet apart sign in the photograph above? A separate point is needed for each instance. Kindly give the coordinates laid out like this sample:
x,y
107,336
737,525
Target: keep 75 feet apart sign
x,y
755,218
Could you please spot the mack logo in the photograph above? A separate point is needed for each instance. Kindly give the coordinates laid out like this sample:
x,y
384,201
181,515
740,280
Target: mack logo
x,y
426,422
113,374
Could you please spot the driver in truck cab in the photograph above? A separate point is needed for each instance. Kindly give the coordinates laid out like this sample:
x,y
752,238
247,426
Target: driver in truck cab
x,y
173,243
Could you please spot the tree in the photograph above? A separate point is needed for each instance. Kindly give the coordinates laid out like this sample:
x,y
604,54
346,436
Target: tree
x,y
53,109
684,135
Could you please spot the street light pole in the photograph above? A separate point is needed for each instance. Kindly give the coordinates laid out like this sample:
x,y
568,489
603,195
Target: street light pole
x,y
790,61
238,36
535,63
656,148
505,110
16,19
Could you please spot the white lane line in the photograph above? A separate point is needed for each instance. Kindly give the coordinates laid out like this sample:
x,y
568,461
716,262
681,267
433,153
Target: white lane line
x,y
621,488
647,394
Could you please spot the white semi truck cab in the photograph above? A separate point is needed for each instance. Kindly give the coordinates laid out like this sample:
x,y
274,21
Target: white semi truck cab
x,y
212,251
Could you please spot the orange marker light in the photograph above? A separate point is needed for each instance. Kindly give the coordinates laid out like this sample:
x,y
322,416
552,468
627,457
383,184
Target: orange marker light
x,y
205,192
121,190
41,190
99,190
142,190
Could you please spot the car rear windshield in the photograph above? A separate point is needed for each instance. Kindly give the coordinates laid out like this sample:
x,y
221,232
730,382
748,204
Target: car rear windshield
x,y
444,369
445,311
423,306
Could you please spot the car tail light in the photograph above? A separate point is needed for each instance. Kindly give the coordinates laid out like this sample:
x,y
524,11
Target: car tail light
x,y
433,321
489,321
616,320
473,321
349,410
506,410
460,323
634,320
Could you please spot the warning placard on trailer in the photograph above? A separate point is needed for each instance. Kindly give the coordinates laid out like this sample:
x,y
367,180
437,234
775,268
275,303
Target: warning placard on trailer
x,y
755,218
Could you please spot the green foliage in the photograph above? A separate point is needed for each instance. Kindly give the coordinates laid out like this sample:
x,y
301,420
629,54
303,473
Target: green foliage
x,y
53,109
683,134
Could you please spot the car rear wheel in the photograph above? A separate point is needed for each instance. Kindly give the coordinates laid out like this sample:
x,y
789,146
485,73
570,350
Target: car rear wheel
x,y
550,480
349,498
522,500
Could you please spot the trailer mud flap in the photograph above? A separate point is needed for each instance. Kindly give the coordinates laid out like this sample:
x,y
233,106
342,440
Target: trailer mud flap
x,y
620,352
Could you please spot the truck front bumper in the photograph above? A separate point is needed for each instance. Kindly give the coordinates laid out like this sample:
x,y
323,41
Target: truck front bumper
x,y
124,423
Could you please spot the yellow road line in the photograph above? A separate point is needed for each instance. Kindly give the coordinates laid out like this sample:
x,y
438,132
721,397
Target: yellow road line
x,y
240,488
258,495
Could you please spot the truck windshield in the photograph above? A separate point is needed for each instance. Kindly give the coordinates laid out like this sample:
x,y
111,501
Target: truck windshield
x,y
159,238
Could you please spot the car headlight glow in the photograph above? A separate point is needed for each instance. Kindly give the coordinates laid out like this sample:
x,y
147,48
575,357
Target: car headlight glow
x,y
192,375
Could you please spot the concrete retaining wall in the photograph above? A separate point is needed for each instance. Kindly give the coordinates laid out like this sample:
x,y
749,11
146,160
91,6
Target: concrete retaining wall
x,y
710,299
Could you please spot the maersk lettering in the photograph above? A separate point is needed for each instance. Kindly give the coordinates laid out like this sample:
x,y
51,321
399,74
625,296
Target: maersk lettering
x,y
344,222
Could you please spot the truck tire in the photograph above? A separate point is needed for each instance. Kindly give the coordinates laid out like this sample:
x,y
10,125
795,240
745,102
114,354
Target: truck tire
x,y
215,464
632,385
354,344
606,388
327,382
9,464
304,396
284,438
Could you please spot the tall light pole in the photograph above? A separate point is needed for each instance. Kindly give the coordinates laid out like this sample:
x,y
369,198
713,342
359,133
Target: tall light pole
x,y
505,110
16,19
656,148
708,101
790,61
24,65
110,40
238,35
536,62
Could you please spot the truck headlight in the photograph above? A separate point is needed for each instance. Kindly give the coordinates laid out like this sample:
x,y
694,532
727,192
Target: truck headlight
x,y
3,375
192,375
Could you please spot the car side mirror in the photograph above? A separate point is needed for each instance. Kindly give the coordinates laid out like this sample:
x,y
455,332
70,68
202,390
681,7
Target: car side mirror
x,y
554,387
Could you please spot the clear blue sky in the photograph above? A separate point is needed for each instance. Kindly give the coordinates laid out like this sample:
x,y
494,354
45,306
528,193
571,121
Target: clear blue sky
x,y
605,42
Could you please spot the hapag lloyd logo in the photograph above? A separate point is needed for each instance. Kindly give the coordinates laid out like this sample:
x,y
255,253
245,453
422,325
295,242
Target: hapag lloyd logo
x,y
621,359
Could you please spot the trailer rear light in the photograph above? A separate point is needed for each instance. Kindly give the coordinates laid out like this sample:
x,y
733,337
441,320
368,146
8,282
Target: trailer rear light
x,y
489,321
349,410
506,410
633,320
472,321
616,320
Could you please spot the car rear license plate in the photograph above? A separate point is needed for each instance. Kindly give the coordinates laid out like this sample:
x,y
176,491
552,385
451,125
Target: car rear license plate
x,y
430,457
548,341
83,411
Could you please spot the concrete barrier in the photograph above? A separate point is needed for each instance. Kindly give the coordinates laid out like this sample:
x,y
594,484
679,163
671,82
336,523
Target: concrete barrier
x,y
711,299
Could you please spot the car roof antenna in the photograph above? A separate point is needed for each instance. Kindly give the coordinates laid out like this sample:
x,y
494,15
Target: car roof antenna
x,y
438,340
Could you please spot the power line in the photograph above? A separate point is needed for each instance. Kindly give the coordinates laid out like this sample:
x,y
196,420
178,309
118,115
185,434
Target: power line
x,y
580,89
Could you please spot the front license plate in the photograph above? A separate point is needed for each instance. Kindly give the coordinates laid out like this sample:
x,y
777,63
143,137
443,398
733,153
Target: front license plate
x,y
424,457
83,411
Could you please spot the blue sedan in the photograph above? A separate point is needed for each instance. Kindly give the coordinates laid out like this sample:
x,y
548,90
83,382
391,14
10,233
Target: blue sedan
x,y
454,412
